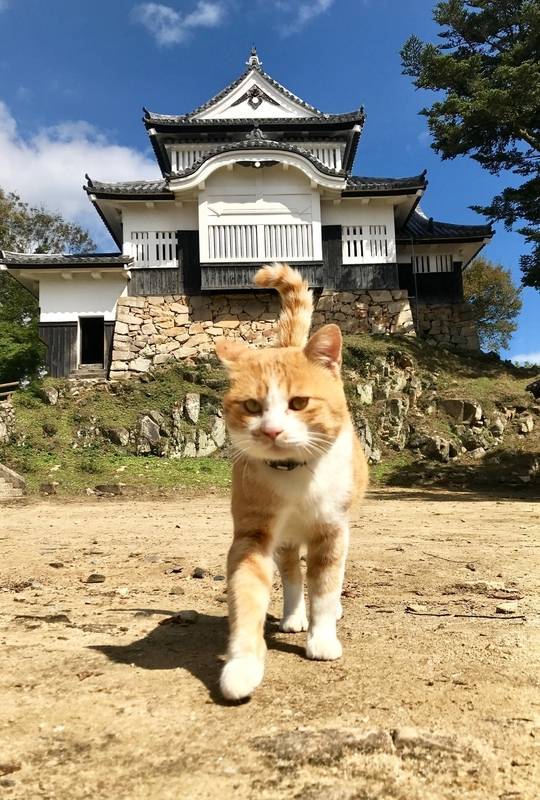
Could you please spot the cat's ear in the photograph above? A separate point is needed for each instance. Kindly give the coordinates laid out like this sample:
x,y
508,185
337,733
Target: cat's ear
x,y
324,347
229,352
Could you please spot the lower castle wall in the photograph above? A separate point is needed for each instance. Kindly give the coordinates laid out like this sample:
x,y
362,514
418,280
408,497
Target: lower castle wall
x,y
151,331
448,324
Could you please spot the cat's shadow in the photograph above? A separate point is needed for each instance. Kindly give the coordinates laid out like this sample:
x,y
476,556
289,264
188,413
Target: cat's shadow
x,y
197,648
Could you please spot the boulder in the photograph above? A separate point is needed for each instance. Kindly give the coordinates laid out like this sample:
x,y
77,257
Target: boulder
x,y
49,395
192,407
534,388
149,435
454,408
117,435
218,431
525,425
365,393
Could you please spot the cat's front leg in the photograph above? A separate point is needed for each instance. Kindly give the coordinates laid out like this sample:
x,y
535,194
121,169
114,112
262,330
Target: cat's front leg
x,y
294,617
327,551
250,569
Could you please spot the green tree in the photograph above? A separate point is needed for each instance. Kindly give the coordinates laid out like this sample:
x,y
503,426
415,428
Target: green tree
x,y
495,301
487,68
28,230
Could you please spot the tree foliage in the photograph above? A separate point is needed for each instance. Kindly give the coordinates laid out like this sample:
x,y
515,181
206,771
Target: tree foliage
x,y
495,301
488,68
28,230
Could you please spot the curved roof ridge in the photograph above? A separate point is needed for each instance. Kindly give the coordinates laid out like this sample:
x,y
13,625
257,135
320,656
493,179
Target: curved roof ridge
x,y
253,67
258,144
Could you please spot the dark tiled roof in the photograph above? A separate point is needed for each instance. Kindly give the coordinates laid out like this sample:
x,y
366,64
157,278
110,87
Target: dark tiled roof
x,y
62,259
259,143
423,229
229,88
147,188
151,118
253,65
358,183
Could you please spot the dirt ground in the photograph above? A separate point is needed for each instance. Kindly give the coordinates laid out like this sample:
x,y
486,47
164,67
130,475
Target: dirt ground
x,y
98,699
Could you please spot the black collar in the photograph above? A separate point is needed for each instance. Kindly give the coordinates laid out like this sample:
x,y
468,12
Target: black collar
x,y
285,466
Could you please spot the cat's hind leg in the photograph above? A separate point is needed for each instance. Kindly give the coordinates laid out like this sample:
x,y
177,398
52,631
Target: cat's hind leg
x,y
327,551
294,619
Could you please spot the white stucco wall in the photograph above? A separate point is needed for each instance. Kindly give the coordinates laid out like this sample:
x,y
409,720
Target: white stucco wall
x,y
265,196
162,216
63,300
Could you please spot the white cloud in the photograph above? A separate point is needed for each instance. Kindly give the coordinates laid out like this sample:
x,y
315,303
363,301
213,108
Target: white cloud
x,y
4,4
301,14
527,358
48,167
169,26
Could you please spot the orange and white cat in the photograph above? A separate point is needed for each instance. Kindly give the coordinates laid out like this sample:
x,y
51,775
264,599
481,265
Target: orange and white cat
x,y
297,468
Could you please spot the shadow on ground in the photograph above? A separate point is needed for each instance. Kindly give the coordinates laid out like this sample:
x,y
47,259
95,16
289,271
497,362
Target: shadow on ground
x,y
197,648
503,472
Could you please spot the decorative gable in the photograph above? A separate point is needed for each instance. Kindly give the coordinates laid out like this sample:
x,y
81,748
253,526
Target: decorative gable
x,y
255,95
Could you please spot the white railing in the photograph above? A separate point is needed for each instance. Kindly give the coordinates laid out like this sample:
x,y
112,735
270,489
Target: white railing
x,y
367,244
154,248
293,242
442,262
183,157
329,154
233,243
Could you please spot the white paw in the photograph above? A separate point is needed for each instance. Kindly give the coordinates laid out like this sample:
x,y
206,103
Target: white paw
x,y
339,611
294,623
241,676
323,647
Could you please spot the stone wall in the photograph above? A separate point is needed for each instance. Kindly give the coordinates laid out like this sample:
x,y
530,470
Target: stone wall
x,y
7,421
449,324
151,331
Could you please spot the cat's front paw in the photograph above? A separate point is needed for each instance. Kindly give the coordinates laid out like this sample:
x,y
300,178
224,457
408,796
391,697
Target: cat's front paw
x,y
323,647
241,676
294,623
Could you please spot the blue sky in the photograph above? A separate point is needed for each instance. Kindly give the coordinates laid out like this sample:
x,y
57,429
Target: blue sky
x,y
75,74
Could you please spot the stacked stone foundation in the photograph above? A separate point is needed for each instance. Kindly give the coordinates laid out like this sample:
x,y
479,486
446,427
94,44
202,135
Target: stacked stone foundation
x,y
451,325
153,331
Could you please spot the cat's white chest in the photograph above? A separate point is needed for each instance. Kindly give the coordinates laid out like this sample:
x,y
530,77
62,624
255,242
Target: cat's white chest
x,y
318,494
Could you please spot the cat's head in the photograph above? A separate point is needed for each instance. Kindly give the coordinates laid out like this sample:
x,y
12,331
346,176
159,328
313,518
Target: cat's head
x,y
285,403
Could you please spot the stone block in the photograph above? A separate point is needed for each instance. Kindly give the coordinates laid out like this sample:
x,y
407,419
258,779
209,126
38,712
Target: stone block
x,y
228,324
127,318
162,358
382,296
120,328
140,365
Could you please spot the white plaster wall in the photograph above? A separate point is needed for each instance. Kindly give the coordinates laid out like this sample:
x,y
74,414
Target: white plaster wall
x,y
249,196
354,212
65,300
162,216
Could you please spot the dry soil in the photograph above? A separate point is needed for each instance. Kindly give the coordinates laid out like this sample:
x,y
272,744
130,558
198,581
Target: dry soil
x,y
436,696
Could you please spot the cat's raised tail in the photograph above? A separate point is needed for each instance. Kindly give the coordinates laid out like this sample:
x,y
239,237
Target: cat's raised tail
x,y
296,302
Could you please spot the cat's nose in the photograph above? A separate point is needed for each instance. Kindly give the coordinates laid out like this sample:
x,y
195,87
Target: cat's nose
x,y
271,431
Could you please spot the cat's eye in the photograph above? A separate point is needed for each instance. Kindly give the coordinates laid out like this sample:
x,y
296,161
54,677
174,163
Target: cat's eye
x,y
298,403
252,406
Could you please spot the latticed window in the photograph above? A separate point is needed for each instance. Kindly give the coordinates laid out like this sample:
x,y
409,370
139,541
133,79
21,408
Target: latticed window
x,y
291,242
366,244
154,248
440,262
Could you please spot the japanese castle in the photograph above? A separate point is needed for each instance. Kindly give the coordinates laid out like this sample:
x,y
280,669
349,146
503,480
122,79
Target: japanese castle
x,y
253,175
